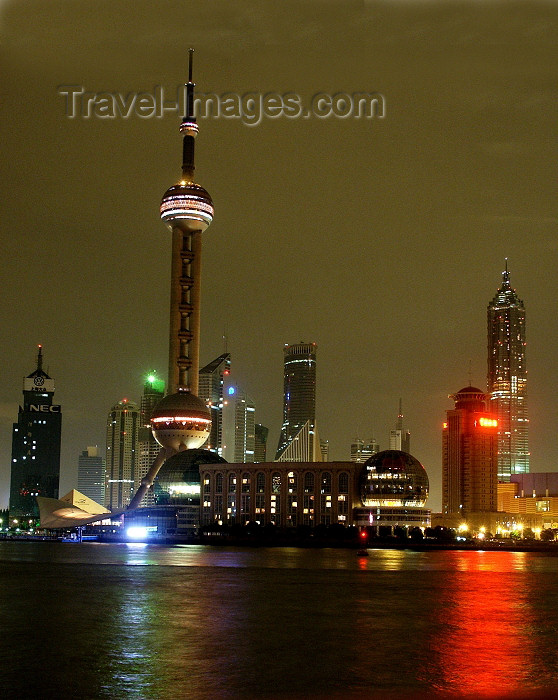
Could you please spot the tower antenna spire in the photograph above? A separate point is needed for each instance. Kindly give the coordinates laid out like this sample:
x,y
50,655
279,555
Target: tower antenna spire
x,y
40,358
188,128
506,274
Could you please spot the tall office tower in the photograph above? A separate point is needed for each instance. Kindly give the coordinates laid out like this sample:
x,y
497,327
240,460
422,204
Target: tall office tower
x,y
148,447
260,442
361,451
239,426
181,420
122,452
91,475
299,398
212,379
469,455
400,439
35,445
507,378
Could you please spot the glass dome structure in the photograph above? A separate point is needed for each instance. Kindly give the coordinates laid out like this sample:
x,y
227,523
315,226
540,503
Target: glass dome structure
x,y
178,480
392,479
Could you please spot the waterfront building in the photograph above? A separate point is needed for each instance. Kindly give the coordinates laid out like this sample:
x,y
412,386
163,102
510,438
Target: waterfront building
x,y
389,490
393,491
260,442
239,426
507,378
299,398
122,453
91,475
35,465
285,494
469,456
400,439
211,386
148,447
361,451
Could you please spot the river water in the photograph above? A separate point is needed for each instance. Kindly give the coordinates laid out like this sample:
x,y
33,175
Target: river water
x,y
111,621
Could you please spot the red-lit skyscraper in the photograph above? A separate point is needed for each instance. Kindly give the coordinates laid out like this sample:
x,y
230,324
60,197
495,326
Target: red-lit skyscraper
x,y
469,456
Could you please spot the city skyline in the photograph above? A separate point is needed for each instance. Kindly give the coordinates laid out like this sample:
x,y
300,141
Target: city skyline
x,y
456,177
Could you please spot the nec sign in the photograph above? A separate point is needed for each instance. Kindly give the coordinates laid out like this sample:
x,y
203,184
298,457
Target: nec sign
x,y
44,409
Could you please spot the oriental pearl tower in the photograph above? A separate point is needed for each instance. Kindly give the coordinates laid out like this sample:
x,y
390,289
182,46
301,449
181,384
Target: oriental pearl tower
x,y
181,420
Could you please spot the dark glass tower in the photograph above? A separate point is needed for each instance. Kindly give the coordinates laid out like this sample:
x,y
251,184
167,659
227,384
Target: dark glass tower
x,y
507,379
299,392
35,445
210,390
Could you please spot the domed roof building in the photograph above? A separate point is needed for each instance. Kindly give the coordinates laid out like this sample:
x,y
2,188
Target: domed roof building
x,y
176,496
178,480
393,491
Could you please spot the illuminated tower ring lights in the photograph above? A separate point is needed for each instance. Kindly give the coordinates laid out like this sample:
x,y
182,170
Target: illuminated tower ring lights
x,y
181,420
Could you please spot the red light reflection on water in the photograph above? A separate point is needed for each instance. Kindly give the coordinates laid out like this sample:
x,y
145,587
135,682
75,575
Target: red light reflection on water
x,y
482,647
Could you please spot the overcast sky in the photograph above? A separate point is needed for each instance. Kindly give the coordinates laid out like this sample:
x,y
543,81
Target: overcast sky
x,y
382,240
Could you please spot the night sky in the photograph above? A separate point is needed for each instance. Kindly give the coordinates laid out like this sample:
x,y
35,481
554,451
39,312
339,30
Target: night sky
x,y
382,240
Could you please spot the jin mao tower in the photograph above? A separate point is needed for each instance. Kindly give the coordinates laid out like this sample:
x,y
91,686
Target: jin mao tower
x,y
507,378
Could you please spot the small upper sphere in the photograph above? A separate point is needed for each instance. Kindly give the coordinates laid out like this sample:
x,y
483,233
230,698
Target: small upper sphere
x,y
187,206
393,478
181,421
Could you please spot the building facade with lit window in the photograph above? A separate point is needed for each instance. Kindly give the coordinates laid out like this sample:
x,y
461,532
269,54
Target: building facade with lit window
x,y
35,466
299,397
286,494
531,497
91,475
122,454
469,456
507,379
390,490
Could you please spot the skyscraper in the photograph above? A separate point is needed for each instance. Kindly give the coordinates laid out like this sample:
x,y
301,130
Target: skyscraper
x,y
122,453
507,378
181,420
260,444
239,426
400,439
299,397
148,447
91,475
35,468
361,451
469,456
211,383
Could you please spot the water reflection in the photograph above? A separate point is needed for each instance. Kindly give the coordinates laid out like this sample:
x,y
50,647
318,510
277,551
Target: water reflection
x,y
481,644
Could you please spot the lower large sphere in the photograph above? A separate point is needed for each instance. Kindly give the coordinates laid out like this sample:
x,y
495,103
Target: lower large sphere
x,y
181,421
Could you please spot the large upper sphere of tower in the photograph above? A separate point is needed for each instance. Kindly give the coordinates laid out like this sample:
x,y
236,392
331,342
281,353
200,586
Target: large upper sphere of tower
x,y
187,206
181,421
